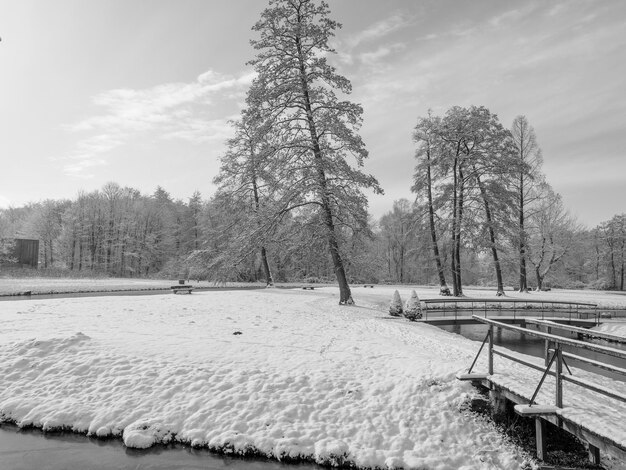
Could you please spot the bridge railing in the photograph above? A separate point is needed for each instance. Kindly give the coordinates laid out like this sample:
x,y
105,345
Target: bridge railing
x,y
554,355
515,307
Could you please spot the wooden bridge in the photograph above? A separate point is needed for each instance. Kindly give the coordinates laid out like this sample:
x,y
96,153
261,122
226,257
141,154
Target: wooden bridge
x,y
441,312
592,407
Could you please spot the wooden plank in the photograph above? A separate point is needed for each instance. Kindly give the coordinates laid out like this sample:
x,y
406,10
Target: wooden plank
x,y
472,376
540,438
529,411
575,329
594,454
554,338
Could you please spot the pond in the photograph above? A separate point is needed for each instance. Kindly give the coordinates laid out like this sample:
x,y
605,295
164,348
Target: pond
x,y
70,295
27,449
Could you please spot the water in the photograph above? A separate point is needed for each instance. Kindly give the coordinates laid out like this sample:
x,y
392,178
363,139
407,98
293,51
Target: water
x,y
69,295
32,449
535,347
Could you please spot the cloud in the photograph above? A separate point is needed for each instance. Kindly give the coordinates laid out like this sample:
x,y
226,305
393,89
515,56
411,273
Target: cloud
x,y
380,29
78,168
184,111
373,58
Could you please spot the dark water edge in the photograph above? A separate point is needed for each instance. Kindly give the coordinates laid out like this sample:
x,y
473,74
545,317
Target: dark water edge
x,y
30,448
109,293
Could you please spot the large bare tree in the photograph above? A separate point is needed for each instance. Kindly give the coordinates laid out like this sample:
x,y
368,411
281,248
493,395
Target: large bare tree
x,y
314,129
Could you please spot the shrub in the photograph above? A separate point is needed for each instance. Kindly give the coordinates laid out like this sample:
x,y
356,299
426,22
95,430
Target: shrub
x,y
395,307
413,309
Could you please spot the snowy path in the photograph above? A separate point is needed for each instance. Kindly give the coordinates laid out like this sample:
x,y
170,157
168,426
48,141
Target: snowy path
x,y
304,379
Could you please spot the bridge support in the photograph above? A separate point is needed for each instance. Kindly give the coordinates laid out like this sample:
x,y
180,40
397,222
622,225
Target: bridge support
x,y
594,454
498,403
540,437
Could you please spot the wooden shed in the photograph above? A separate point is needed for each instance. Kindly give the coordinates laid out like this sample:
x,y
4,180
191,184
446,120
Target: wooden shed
x,y
26,252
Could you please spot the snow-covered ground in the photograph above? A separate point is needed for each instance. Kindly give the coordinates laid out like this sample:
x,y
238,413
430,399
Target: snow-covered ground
x,y
284,373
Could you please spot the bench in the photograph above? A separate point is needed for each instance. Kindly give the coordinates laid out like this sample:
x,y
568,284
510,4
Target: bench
x,y
182,288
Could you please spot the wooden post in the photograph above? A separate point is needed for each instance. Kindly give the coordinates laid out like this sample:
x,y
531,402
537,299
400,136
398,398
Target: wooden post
x,y
559,377
540,437
498,403
490,349
594,454
546,352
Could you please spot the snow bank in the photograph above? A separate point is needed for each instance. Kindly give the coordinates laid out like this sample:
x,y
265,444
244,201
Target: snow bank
x,y
305,379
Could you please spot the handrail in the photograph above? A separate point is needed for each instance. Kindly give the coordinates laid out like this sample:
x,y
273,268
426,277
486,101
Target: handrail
x,y
554,355
575,329
600,365
505,301
555,339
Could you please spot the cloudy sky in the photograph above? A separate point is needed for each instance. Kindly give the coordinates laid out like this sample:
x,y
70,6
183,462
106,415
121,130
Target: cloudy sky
x,y
139,92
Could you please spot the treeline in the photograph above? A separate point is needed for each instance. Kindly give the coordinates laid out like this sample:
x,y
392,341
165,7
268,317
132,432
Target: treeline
x,y
120,232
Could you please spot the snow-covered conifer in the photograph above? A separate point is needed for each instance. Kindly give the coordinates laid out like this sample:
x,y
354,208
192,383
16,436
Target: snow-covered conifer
x,y
395,307
412,309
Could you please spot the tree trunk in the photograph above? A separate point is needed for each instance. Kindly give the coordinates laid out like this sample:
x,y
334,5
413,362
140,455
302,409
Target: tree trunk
x,y
257,204
613,272
523,282
455,285
345,296
492,236
539,278
80,254
621,282
72,251
266,268
458,233
443,287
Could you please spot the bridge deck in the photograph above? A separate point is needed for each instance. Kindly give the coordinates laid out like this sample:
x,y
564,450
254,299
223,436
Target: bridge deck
x,y
589,416
590,406
518,319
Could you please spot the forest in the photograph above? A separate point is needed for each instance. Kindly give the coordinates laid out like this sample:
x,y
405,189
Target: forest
x,y
117,231
290,201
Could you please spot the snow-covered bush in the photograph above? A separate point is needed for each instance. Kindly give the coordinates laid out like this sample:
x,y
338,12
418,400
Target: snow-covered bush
x,y
395,307
413,309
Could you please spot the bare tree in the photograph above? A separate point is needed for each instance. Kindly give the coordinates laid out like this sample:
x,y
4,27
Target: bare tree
x,y
552,232
529,178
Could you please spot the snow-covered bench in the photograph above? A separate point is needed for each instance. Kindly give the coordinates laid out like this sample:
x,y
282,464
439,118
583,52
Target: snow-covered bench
x,y
182,288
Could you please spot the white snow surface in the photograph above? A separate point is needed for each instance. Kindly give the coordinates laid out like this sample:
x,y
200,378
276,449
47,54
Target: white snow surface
x,y
306,378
